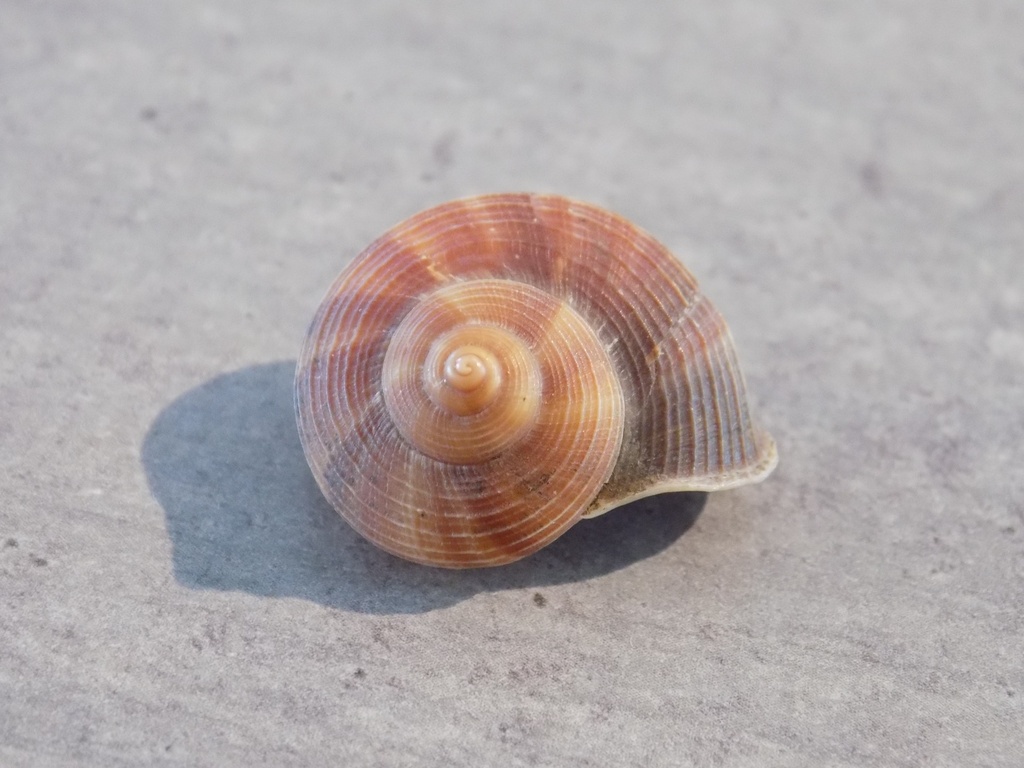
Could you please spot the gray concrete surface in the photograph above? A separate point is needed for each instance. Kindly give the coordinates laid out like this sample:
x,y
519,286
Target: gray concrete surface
x,y
179,182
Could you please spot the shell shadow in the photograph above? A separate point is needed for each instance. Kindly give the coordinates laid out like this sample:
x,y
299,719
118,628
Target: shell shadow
x,y
244,513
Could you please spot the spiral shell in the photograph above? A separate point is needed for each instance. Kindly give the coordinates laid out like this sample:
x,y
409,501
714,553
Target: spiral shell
x,y
495,368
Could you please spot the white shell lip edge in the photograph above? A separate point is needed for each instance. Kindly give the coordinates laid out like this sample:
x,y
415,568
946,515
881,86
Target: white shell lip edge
x,y
714,483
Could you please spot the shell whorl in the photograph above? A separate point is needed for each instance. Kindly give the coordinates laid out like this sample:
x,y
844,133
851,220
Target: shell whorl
x,y
495,368
461,376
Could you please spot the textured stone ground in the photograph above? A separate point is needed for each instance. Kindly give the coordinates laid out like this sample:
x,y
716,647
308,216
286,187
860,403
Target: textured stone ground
x,y
180,181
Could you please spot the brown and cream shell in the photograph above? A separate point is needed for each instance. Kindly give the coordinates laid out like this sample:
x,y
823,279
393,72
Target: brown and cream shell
x,y
494,369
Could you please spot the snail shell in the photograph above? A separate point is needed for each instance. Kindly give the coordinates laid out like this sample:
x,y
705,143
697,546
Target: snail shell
x,y
494,369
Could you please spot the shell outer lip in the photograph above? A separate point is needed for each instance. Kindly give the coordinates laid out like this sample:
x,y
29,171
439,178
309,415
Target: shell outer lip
x,y
709,484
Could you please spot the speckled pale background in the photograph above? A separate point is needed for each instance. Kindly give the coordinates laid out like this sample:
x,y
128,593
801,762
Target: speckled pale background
x,y
180,181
